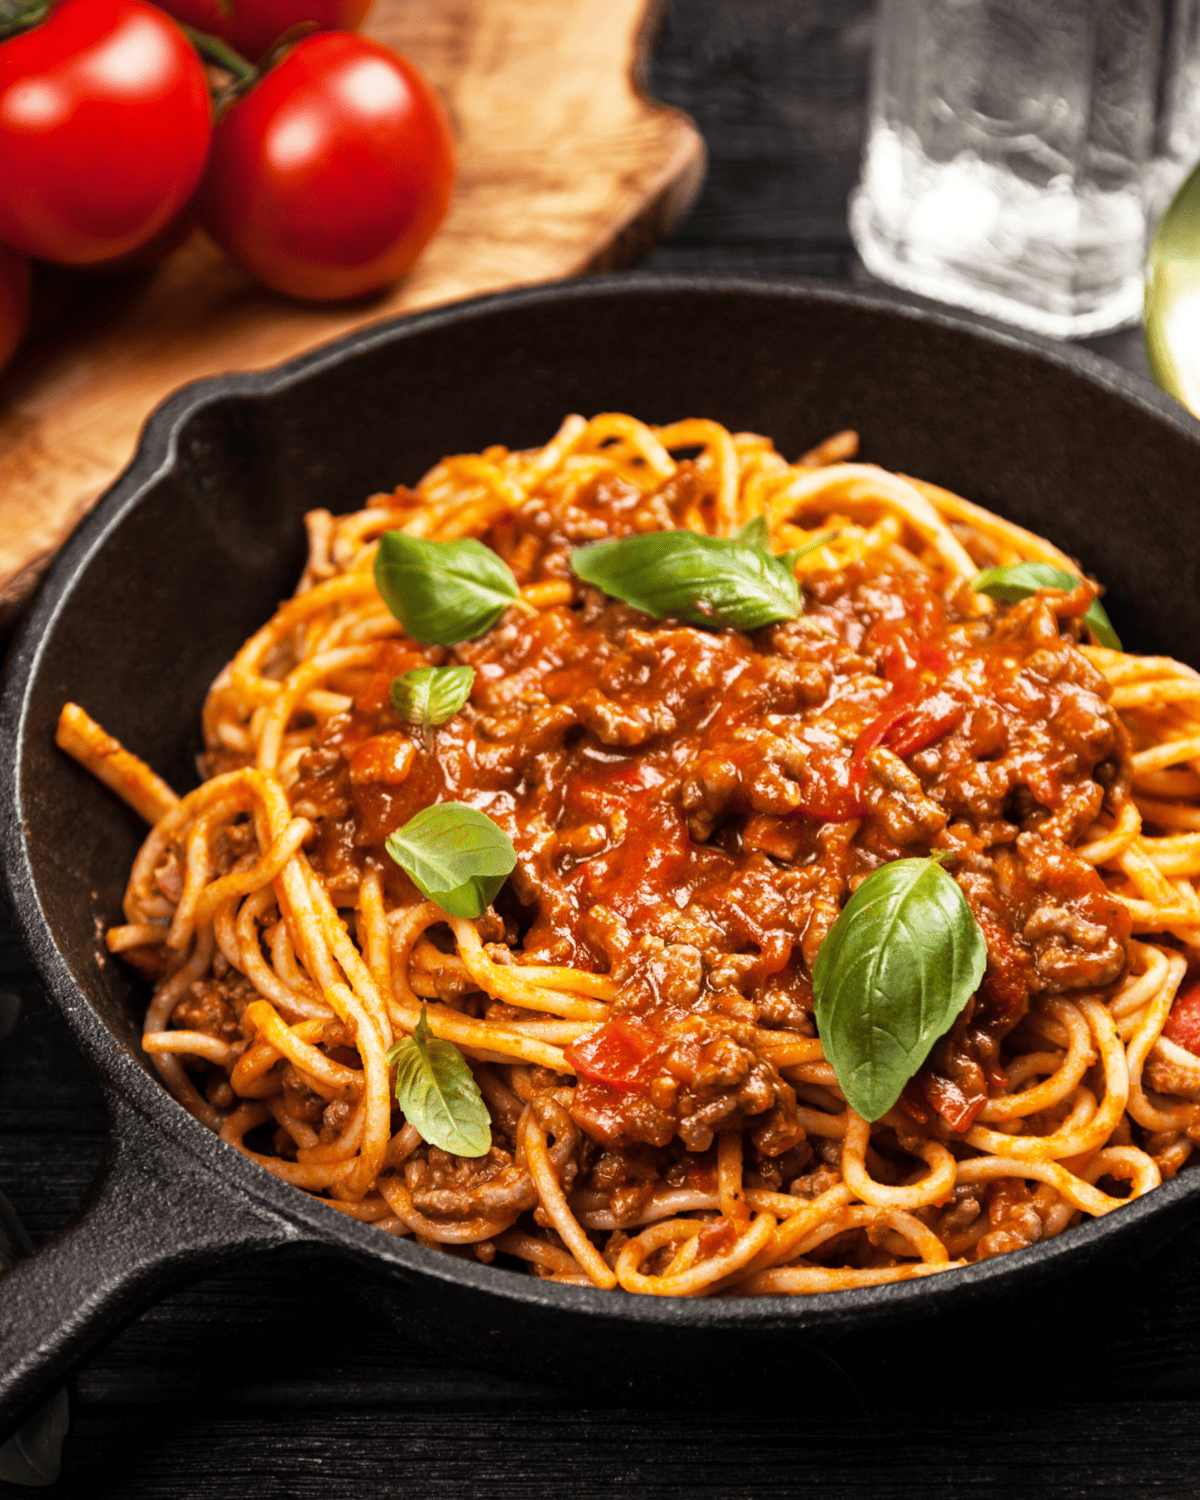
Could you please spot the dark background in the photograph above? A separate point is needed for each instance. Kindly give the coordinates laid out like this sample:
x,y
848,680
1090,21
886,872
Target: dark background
x,y
281,1380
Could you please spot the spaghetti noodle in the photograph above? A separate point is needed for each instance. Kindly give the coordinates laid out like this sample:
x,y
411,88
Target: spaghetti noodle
x,y
690,809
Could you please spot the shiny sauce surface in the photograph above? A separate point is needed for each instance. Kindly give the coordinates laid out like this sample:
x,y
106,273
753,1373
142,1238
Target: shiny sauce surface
x,y
691,808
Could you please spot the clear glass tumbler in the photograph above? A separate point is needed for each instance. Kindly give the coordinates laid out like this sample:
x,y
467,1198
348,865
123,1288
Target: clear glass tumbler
x,y
1007,156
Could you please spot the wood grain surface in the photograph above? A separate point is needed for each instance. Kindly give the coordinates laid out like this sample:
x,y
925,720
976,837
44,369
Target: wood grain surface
x,y
1086,1390
565,166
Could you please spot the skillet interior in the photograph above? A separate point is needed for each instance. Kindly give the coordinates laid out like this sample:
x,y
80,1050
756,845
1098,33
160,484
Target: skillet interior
x,y
201,539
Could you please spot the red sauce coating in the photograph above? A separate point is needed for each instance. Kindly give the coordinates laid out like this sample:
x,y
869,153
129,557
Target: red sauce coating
x,y
691,809
1183,1024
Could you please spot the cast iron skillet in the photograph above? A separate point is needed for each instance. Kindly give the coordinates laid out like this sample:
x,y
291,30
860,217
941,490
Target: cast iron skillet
x,y
199,539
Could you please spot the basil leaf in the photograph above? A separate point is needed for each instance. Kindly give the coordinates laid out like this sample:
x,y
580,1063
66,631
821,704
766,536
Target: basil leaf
x,y
455,856
431,695
790,559
442,592
754,534
705,580
1020,580
897,966
438,1094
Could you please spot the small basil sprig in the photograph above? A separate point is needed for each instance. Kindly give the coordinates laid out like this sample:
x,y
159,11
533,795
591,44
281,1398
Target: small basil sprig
x,y
897,966
443,592
790,559
755,534
429,696
438,1094
705,580
455,856
1020,580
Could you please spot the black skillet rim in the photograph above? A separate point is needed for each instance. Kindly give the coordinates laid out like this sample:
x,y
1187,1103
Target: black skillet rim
x,y
124,1076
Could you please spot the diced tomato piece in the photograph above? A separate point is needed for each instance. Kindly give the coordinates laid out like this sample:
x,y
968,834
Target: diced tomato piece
x,y
1183,1024
913,1102
910,719
653,857
932,658
601,1111
935,717
702,1178
898,708
913,665
614,1054
951,1100
716,1238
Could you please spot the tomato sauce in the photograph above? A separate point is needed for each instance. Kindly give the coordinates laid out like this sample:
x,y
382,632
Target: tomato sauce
x,y
691,809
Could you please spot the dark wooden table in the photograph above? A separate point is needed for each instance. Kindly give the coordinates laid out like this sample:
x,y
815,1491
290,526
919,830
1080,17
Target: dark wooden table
x,y
1090,1387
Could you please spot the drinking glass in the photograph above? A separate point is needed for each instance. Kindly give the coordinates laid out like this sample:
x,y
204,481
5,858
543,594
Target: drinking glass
x,y
1009,155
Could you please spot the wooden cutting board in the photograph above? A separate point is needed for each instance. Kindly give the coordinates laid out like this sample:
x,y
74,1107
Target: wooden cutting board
x,y
565,167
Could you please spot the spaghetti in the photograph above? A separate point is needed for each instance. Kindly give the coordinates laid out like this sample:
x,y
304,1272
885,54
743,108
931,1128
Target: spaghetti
x,y
690,810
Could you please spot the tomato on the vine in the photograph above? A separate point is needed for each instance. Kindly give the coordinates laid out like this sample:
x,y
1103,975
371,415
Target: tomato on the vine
x,y
252,26
328,177
156,249
104,129
14,301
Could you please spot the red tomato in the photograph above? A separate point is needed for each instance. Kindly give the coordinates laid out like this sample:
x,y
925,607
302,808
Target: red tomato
x,y
104,127
155,250
913,664
251,27
654,857
327,179
14,301
1183,1024
935,717
614,1053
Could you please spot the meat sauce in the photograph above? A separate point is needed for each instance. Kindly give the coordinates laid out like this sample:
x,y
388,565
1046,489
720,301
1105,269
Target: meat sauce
x,y
691,808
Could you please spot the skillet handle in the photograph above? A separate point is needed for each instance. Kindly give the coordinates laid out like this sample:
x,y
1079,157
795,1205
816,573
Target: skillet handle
x,y
159,1216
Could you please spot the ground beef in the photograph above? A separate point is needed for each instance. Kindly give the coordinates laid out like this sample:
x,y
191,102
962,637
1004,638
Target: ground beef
x,y
215,1006
691,809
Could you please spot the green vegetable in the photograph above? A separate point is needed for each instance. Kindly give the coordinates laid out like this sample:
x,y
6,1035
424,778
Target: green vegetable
x,y
442,592
790,559
455,856
754,534
705,580
438,1094
1020,580
898,965
431,695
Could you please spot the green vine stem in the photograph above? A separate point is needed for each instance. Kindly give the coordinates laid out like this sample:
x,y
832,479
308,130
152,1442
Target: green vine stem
x,y
221,55
212,49
20,15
